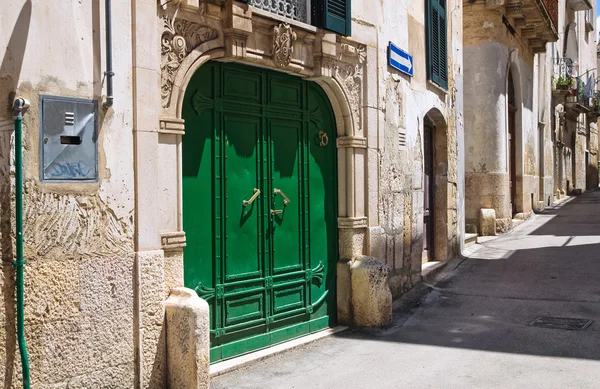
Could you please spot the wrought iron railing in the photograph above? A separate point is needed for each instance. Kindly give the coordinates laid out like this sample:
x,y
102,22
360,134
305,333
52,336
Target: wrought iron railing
x,y
577,95
293,9
595,103
552,9
563,77
583,93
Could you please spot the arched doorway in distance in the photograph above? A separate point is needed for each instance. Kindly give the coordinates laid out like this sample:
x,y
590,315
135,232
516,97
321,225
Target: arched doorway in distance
x,y
435,187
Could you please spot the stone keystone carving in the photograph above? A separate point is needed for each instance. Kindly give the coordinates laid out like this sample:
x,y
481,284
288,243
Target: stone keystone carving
x,y
179,38
283,45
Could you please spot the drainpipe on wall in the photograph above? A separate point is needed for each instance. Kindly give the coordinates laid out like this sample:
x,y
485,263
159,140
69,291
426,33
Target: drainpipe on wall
x,y
18,106
109,72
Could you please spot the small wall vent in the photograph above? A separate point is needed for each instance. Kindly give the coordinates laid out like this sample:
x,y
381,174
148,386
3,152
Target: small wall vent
x,y
402,138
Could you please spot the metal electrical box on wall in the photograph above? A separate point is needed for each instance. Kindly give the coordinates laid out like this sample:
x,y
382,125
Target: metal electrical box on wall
x,y
68,139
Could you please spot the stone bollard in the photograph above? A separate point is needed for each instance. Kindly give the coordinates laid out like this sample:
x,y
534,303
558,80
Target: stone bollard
x,y
371,295
487,222
188,345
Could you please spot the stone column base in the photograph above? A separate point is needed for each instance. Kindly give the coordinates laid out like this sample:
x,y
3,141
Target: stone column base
x,y
487,222
188,344
364,296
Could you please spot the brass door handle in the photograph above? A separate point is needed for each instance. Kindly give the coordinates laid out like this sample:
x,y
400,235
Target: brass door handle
x,y
245,203
286,200
276,211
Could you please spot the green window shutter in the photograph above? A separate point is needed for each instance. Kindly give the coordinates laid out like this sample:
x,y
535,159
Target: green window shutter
x,y
437,52
333,15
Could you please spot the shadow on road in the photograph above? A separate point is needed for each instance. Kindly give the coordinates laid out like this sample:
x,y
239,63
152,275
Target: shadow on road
x,y
550,266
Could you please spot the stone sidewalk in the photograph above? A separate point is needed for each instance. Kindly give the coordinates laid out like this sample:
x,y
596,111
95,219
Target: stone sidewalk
x,y
469,328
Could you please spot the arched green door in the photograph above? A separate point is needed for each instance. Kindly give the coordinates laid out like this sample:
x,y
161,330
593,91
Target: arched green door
x,y
259,205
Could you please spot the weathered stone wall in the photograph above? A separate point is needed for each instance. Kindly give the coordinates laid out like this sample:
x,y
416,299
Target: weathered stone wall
x,y
404,103
580,167
546,117
587,61
592,168
574,139
491,52
78,238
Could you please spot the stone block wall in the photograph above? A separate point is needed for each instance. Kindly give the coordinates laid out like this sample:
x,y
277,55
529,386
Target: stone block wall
x,y
490,45
406,103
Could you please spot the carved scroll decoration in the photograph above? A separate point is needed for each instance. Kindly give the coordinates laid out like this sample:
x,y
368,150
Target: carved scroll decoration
x,y
348,68
179,38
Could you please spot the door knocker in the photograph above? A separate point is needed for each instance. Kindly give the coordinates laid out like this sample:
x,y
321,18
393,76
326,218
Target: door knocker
x,y
323,139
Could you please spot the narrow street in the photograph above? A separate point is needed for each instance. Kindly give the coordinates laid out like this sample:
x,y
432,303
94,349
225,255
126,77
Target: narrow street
x,y
469,329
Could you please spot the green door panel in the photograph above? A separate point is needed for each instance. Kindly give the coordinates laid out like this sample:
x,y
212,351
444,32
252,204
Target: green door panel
x,y
322,181
197,179
259,205
241,225
286,196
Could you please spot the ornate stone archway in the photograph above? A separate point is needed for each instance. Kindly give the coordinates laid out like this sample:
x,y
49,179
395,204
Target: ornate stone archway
x,y
193,35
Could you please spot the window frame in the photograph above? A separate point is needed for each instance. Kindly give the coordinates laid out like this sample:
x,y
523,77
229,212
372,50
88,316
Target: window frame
x,y
439,78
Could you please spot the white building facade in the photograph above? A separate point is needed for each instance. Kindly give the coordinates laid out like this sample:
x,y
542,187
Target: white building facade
x,y
263,166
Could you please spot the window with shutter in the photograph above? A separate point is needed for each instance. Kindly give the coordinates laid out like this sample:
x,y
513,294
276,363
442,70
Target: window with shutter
x,y
437,55
333,15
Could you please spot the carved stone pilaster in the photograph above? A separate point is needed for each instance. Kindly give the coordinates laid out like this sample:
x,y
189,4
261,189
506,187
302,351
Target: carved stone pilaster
x,y
237,26
353,222
356,142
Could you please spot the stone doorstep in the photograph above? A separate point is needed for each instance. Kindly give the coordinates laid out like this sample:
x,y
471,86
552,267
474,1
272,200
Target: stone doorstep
x,y
470,239
430,269
484,239
220,368
516,223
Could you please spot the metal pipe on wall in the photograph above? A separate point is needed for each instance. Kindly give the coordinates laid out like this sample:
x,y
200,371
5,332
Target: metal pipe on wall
x,y
109,71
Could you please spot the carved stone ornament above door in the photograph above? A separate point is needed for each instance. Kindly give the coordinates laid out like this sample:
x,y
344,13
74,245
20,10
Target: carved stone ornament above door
x,y
283,44
179,38
232,33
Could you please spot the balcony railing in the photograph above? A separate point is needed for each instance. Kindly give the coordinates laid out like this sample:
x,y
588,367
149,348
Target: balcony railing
x,y
292,9
563,78
577,90
578,96
595,105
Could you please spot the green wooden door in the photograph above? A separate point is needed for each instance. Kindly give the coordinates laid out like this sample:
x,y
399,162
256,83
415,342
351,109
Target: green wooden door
x,y
259,205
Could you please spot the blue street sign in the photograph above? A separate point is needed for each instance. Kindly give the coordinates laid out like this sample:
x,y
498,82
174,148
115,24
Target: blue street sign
x,y
400,60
